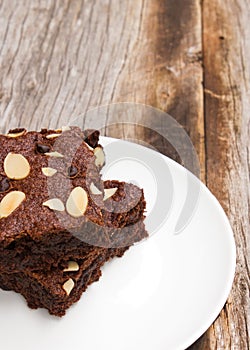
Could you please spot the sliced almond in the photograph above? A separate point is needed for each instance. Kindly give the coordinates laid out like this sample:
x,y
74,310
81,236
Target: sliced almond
x,y
52,136
72,266
68,286
109,192
10,202
100,157
77,202
54,204
54,154
89,147
16,166
16,134
49,171
94,189
66,128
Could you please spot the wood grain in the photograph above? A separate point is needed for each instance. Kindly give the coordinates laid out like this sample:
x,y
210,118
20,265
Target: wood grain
x,y
60,58
227,106
164,68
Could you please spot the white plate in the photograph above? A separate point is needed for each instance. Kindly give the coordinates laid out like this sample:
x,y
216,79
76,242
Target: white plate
x,y
164,293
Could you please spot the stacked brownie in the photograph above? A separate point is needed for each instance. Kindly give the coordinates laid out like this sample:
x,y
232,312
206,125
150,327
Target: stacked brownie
x,y
59,222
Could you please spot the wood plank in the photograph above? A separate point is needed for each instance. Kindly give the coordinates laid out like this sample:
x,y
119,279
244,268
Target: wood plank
x,y
164,69
227,106
59,58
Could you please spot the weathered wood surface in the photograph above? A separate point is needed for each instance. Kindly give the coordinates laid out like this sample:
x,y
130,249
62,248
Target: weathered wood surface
x,y
227,115
60,58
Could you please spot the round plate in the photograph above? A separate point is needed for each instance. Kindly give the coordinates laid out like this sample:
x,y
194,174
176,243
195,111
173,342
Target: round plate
x,y
165,292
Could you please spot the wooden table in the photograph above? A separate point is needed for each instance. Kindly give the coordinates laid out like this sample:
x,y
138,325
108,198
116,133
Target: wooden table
x,y
189,58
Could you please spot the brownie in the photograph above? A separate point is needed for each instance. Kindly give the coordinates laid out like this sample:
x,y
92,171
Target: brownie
x,y
35,235
31,218
47,289
124,228
33,229
55,208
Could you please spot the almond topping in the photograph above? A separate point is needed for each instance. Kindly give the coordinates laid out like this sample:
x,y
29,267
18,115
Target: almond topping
x,y
10,202
49,171
52,136
54,204
94,189
16,166
77,202
72,266
66,128
16,134
68,286
89,147
100,157
54,154
109,192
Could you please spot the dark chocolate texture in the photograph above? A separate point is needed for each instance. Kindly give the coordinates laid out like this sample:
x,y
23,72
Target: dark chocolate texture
x,y
36,242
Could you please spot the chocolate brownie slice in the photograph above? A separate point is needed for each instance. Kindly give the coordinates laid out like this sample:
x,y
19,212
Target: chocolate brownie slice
x,y
54,208
123,227
45,288
39,172
53,165
34,234
57,289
